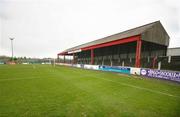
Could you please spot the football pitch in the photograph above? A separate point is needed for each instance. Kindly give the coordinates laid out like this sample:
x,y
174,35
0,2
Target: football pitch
x,y
47,91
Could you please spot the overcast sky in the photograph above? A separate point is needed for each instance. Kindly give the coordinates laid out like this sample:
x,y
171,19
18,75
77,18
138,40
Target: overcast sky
x,y
42,28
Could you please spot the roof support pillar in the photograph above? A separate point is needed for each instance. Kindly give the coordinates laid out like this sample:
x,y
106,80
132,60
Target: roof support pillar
x,y
64,59
73,61
138,53
92,56
154,62
58,58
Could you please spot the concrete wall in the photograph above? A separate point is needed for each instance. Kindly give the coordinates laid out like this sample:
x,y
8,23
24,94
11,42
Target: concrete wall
x,y
173,52
156,34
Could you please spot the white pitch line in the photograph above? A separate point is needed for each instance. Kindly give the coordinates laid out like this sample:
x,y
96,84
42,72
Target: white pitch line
x,y
137,87
125,84
129,85
10,79
142,88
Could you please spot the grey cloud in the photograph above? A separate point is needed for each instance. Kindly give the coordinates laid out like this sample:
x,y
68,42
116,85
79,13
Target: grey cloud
x,y
43,28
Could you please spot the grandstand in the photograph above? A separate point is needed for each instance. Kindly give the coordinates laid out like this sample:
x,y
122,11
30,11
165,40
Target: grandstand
x,y
137,47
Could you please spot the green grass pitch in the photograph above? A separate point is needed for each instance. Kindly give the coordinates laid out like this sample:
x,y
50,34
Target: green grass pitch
x,y
47,91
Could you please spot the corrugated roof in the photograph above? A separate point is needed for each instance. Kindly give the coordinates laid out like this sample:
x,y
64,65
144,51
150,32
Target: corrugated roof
x,y
132,32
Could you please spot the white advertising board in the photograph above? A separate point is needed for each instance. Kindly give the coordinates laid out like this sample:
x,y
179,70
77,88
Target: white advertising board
x,y
135,71
94,67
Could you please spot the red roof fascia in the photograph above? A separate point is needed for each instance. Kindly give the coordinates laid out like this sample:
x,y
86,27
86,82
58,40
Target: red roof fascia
x,y
120,41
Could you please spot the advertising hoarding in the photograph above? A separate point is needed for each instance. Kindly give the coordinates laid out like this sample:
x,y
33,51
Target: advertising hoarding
x,y
115,69
161,74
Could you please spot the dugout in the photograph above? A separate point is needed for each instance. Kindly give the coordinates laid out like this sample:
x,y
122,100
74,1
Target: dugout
x,y
137,47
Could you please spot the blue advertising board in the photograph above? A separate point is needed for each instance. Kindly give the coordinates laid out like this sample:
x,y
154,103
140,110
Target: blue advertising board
x,y
115,69
161,74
